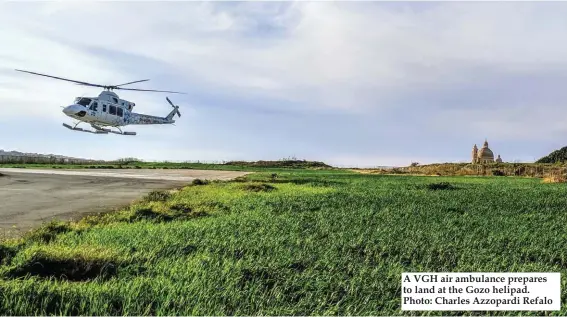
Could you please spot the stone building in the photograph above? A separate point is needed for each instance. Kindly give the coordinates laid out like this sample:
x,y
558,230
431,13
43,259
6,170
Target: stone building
x,y
484,155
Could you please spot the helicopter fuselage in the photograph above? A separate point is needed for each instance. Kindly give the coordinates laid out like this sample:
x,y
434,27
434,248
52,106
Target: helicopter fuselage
x,y
109,110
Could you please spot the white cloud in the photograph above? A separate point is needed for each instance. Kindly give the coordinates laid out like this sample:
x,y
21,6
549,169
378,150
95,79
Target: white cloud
x,y
359,57
327,52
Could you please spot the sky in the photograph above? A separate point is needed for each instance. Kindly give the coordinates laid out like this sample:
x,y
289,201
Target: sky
x,y
352,84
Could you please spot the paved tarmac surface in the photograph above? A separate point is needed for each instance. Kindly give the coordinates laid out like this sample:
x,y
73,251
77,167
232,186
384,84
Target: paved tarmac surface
x,y
29,197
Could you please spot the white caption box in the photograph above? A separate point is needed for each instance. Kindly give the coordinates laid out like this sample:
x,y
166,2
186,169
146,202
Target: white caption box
x,y
481,291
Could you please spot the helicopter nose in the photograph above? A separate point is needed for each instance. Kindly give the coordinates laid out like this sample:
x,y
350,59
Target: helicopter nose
x,y
75,110
68,110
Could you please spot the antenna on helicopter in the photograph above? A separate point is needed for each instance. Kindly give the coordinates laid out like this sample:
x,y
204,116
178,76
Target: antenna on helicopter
x,y
106,87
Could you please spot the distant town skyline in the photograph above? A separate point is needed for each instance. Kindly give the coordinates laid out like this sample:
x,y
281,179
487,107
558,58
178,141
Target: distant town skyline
x,y
358,84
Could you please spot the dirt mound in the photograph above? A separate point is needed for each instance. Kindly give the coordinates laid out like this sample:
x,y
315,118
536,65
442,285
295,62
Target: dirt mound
x,y
75,270
150,214
48,232
259,188
184,208
440,186
177,211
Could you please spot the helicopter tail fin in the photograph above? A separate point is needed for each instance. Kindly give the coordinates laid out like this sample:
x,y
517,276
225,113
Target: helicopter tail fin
x,y
174,111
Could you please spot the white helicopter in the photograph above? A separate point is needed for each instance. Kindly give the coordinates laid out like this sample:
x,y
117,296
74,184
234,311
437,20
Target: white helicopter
x,y
107,110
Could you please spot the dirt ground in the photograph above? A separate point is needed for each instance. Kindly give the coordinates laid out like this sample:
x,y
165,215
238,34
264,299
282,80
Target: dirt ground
x,y
30,197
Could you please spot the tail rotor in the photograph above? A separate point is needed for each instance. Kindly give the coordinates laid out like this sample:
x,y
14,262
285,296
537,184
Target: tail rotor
x,y
174,107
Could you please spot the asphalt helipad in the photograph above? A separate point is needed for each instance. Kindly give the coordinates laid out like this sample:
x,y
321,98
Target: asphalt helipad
x,y
29,197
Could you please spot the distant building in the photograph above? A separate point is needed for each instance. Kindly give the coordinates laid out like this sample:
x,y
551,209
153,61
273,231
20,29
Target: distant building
x,y
484,155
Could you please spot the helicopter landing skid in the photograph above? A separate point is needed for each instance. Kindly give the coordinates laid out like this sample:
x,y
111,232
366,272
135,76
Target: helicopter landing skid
x,y
83,130
121,132
98,130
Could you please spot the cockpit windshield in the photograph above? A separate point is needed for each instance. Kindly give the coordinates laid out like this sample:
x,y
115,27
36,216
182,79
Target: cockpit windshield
x,y
84,101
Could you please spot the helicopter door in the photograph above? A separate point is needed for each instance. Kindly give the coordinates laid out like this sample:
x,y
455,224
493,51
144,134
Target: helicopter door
x,y
93,110
115,114
120,114
104,116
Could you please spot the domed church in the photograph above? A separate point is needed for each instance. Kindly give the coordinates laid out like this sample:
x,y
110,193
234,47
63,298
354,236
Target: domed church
x,y
484,155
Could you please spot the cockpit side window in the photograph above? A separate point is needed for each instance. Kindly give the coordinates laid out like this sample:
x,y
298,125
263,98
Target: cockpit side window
x,y
84,102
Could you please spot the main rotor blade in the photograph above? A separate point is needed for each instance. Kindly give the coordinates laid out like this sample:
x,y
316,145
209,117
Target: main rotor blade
x,y
60,78
102,86
173,92
132,82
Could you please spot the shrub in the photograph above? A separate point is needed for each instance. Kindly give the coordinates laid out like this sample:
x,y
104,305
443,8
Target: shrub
x,y
157,195
6,254
555,179
285,163
198,182
557,156
498,173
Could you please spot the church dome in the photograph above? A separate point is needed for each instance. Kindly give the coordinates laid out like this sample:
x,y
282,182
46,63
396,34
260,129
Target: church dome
x,y
485,152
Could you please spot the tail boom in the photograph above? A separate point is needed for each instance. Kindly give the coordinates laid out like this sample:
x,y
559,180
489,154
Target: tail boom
x,y
137,118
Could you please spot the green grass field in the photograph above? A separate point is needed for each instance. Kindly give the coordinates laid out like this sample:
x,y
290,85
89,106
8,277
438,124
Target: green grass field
x,y
304,243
